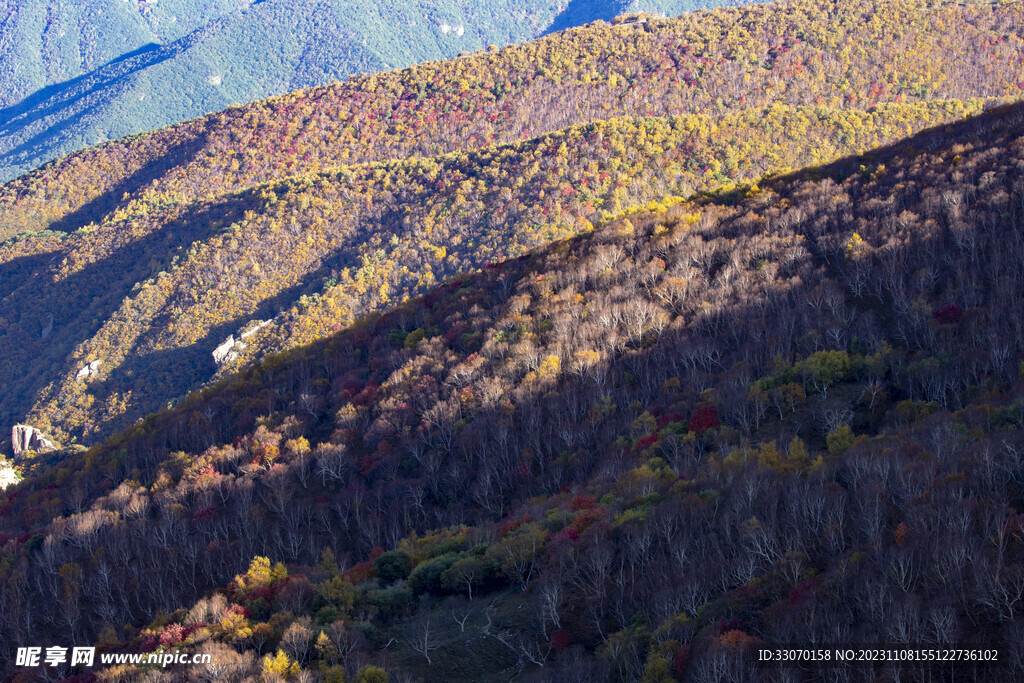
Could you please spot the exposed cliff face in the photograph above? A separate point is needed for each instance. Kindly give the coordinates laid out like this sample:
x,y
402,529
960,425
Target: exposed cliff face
x,y
228,351
231,348
26,438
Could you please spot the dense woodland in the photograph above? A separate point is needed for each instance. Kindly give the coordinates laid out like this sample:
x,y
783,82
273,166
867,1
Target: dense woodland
x,y
838,53
77,74
143,254
694,335
309,254
783,412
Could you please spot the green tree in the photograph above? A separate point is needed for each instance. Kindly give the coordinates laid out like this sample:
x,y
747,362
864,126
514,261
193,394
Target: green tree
x,y
825,368
839,440
339,593
464,574
392,566
372,674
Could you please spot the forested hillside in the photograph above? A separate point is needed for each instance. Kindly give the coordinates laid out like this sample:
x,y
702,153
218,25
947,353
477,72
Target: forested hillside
x,y
78,74
143,257
48,43
801,53
778,413
304,257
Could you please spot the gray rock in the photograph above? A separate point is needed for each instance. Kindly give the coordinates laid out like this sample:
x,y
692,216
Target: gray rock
x,y
89,370
228,351
27,438
254,328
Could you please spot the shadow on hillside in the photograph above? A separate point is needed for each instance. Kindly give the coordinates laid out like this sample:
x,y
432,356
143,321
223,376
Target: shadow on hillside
x,y
14,272
981,127
52,98
147,375
41,144
324,359
580,12
95,209
79,304
37,124
193,365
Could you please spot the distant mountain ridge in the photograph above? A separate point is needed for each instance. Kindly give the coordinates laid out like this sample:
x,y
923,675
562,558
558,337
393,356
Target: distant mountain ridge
x,y
75,75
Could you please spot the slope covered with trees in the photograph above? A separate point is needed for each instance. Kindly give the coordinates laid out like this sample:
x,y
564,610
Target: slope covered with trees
x,y
775,413
302,258
800,53
705,61
74,75
323,197
47,43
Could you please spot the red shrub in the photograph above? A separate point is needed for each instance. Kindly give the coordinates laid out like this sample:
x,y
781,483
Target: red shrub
x,y
583,503
802,591
705,417
367,464
265,592
238,609
669,418
206,512
360,572
586,518
455,331
681,660
173,634
647,441
513,524
369,392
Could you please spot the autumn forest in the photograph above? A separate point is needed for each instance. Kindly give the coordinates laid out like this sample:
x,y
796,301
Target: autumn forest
x,y
611,356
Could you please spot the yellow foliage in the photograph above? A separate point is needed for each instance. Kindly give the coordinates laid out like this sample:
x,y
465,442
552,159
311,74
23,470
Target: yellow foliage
x,y
550,367
280,665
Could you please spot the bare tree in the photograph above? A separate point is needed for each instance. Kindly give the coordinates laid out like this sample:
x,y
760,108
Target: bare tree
x,y
420,638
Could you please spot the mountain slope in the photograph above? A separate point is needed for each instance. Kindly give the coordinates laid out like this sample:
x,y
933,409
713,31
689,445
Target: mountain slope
x,y
108,69
898,51
184,207
42,44
306,256
788,405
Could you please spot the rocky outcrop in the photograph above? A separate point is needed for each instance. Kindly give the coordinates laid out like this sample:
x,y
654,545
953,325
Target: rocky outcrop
x,y
254,328
7,476
89,370
231,348
228,351
26,438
